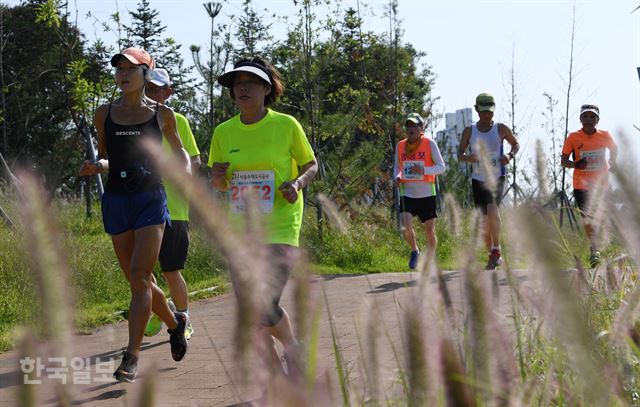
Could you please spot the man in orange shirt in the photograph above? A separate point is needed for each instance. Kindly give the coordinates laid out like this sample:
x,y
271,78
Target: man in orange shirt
x,y
416,164
588,146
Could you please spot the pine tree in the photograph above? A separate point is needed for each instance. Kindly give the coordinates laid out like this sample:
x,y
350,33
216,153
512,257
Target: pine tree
x,y
146,31
252,32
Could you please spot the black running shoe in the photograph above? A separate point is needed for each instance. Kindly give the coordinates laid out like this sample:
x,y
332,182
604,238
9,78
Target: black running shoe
x,y
176,339
128,368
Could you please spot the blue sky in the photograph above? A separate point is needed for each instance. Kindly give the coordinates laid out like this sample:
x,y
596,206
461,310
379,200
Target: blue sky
x,y
470,46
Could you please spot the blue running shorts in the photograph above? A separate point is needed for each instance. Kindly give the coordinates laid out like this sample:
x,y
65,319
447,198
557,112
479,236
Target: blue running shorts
x,y
122,211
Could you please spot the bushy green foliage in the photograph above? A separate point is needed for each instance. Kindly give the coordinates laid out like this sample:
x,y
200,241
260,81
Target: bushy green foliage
x,y
16,301
97,284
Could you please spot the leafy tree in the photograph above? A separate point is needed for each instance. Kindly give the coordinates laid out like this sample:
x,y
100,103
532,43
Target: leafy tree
x,y
46,78
220,51
146,31
349,87
342,89
251,32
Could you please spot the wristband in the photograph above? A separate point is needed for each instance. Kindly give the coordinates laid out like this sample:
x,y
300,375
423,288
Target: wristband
x,y
99,165
511,155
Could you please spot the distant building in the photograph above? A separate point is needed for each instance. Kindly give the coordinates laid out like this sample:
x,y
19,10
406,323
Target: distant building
x,y
449,138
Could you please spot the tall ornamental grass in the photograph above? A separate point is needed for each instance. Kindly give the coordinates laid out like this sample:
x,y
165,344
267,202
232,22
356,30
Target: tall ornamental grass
x,y
543,329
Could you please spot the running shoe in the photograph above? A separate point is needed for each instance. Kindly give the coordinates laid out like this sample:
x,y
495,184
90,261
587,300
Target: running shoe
x,y
594,259
413,260
188,332
128,368
154,326
176,337
494,260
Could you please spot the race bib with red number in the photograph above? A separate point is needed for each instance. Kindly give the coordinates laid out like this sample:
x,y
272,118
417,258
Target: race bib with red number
x,y
595,159
262,182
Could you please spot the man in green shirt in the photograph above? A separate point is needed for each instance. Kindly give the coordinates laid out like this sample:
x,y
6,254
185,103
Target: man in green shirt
x,y
175,242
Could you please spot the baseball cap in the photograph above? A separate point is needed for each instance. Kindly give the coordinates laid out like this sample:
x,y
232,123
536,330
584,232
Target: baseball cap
x,y
589,108
485,103
136,56
159,77
415,118
226,79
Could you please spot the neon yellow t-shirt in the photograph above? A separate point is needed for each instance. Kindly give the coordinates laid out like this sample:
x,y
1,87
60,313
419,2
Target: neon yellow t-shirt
x,y
275,145
178,206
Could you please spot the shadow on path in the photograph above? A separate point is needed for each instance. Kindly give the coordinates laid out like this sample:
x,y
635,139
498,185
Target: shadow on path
x,y
112,394
384,288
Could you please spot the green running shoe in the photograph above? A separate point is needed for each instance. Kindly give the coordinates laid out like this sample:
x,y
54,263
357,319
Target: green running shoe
x,y
153,326
155,323
188,332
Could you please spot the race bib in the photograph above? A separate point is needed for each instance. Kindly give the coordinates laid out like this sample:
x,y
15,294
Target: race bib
x,y
494,166
595,159
262,182
407,170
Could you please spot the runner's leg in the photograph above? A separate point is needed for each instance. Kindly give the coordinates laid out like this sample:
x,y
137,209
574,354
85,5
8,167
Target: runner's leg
x,y
429,227
146,244
178,289
493,226
406,220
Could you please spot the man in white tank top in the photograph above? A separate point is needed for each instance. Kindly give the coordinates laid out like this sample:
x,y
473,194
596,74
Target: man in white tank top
x,y
484,140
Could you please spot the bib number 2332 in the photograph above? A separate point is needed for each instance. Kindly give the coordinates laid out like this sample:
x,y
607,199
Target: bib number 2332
x,y
260,183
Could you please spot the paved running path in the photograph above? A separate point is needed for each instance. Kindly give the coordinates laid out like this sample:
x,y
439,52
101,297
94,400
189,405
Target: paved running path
x,y
200,380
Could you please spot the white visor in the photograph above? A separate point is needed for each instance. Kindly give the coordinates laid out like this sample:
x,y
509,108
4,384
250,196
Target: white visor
x,y
226,79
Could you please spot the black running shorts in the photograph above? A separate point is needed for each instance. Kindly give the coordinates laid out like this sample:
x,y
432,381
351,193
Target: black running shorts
x,y
581,196
482,196
424,208
175,246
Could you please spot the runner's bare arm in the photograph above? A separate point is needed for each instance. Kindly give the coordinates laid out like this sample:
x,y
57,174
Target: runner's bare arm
x,y
507,134
290,188
196,163
566,162
464,144
219,178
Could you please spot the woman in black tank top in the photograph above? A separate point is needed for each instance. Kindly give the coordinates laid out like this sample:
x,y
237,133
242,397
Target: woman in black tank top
x,y
134,203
